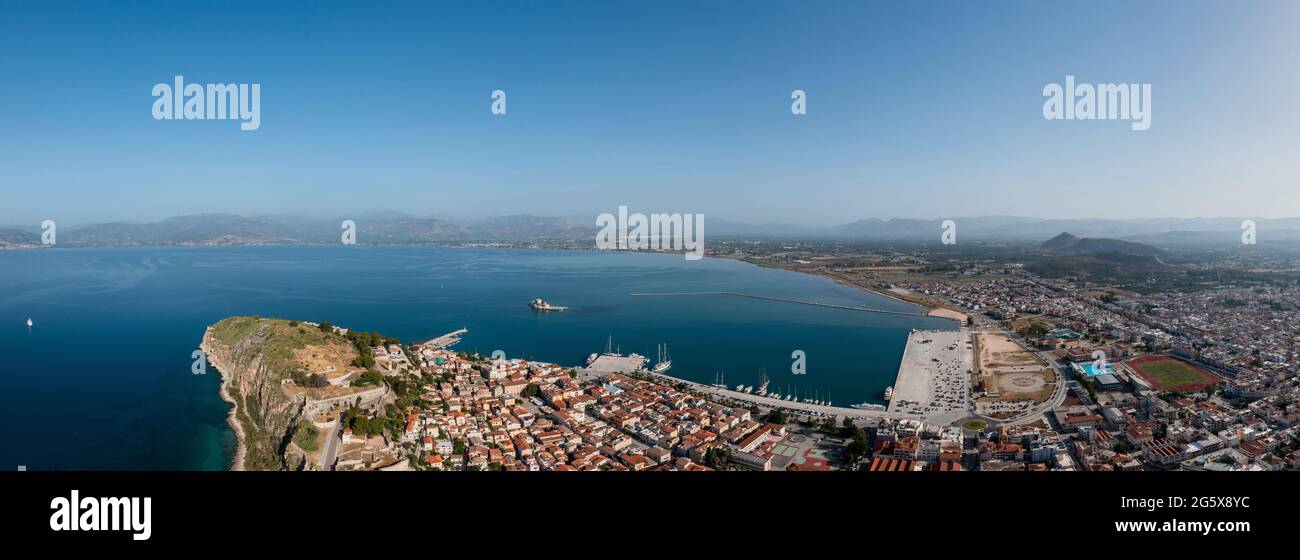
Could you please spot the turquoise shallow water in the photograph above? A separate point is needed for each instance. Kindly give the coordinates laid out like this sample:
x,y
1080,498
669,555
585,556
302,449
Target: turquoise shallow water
x,y
103,381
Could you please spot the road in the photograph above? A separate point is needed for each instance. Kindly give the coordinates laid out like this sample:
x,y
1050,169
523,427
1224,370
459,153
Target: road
x,y
330,453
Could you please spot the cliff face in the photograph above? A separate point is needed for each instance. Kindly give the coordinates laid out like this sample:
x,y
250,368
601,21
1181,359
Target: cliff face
x,y
264,415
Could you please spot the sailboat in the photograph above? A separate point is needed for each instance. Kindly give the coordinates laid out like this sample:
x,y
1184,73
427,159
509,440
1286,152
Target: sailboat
x,y
665,362
720,383
762,383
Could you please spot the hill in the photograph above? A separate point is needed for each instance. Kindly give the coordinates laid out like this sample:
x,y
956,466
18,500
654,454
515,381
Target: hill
x,y
1067,244
17,239
372,228
277,374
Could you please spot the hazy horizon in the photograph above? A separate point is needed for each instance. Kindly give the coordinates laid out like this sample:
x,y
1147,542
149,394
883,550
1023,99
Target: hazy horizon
x,y
921,111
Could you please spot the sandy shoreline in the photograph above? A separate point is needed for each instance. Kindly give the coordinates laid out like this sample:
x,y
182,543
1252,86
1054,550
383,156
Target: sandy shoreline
x,y
931,310
237,462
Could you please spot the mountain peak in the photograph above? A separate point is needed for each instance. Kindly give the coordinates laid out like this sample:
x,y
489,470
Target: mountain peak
x,y
1066,243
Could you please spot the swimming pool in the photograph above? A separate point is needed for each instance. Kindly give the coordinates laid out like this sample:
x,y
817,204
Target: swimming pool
x,y
1089,370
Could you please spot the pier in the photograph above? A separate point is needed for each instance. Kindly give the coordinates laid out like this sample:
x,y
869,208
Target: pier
x,y
446,339
788,300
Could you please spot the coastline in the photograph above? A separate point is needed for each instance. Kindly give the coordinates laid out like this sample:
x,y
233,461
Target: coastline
x,y
932,309
237,462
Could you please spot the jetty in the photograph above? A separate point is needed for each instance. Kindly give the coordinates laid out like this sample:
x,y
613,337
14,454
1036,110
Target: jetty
x,y
445,340
788,300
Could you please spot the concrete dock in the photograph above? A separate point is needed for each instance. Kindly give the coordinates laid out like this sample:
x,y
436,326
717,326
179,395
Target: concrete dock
x,y
934,376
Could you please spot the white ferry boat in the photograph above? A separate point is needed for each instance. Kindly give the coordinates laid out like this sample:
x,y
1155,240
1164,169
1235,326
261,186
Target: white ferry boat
x,y
889,392
541,305
867,406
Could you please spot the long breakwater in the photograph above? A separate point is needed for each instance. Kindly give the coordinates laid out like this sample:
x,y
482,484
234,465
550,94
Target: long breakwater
x,y
785,300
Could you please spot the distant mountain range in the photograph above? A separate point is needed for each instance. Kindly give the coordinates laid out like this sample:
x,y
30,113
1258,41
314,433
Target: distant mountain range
x,y
375,227
1089,235
1159,232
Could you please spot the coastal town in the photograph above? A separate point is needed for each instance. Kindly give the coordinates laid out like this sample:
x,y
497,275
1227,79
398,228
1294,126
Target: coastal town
x,y
1072,374
1036,373
1036,376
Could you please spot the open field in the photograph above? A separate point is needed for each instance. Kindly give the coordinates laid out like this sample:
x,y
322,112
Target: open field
x,y
1015,378
998,351
1171,374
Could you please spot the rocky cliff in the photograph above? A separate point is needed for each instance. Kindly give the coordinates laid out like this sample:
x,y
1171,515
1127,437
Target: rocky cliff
x,y
249,353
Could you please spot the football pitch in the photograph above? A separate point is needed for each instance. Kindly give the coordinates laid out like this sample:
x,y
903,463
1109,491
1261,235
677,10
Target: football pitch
x,y
1171,374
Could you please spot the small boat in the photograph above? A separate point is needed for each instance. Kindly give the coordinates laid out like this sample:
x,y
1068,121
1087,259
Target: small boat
x,y
740,387
889,392
29,322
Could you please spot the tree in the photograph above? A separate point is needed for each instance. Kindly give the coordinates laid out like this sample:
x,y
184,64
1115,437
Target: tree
x,y
370,377
853,453
716,457
530,391
828,425
305,435
777,416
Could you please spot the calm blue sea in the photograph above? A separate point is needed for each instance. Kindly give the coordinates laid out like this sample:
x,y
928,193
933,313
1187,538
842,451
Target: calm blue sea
x,y
103,380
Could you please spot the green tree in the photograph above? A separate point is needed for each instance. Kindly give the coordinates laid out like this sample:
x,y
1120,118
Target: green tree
x,y
305,435
777,416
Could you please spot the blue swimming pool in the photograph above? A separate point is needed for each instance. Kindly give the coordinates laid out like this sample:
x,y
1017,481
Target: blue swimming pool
x,y
1090,371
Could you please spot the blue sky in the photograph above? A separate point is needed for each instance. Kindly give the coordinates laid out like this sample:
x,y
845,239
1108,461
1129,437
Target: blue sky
x,y
915,109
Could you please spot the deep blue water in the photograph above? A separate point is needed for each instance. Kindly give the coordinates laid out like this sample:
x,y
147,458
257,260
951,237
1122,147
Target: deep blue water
x,y
103,380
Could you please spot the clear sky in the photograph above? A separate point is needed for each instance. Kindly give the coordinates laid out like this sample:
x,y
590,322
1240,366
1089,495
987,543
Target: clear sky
x,y
915,109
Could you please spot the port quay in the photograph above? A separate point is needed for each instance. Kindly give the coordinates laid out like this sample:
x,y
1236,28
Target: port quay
x,y
915,383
